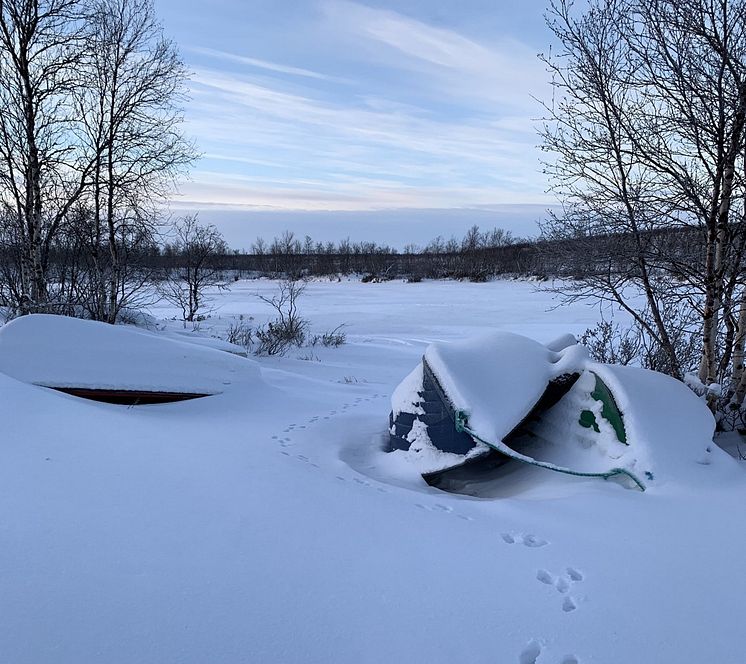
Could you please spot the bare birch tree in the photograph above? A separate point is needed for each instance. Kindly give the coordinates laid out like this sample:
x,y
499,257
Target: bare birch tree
x,y
130,106
196,246
646,133
42,172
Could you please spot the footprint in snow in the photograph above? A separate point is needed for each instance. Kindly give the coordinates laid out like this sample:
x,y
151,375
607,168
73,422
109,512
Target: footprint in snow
x,y
545,577
574,574
562,584
568,604
364,483
530,653
445,509
531,541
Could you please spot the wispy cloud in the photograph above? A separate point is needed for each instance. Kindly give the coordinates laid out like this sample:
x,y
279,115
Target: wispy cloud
x,y
505,72
261,64
411,37
432,118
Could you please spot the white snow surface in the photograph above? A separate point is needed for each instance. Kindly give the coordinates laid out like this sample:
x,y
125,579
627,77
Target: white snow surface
x,y
496,379
56,351
266,524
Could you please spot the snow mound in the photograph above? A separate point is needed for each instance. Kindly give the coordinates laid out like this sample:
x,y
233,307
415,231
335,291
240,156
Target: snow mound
x,y
57,351
496,379
198,339
669,428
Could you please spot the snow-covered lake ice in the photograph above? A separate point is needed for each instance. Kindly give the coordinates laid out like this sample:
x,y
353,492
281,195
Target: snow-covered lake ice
x,y
265,524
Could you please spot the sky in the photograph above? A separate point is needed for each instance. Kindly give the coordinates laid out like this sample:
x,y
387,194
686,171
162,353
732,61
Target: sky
x,y
393,121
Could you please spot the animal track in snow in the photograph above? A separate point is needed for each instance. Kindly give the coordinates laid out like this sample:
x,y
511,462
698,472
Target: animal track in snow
x,y
530,653
574,574
361,482
531,541
339,410
568,604
284,440
562,583
545,577
570,659
444,509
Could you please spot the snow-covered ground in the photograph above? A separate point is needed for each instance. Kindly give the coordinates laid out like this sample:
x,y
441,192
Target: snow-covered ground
x,y
265,524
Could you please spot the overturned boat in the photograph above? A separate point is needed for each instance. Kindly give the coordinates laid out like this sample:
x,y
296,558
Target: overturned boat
x,y
472,406
118,364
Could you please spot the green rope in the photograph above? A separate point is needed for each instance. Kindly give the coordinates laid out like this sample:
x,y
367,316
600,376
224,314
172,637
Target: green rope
x,y
462,426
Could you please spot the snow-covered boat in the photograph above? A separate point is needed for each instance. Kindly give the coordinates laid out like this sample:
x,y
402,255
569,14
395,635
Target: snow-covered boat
x,y
481,402
117,363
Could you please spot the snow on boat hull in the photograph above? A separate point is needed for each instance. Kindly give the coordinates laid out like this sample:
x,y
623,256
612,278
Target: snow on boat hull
x,y
516,378
116,363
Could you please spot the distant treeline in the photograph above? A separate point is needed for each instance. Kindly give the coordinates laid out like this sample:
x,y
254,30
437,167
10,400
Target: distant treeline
x,y
478,256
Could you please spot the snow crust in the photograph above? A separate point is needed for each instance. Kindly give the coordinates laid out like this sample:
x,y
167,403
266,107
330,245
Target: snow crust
x,y
57,351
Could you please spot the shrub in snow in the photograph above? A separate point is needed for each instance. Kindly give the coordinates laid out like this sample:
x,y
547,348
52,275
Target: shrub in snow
x,y
197,245
289,328
240,333
277,336
609,343
330,339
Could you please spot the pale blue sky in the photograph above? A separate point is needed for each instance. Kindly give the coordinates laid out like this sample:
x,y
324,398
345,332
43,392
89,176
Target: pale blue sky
x,y
383,108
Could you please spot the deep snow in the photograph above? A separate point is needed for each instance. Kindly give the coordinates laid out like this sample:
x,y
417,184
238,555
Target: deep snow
x,y
264,524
